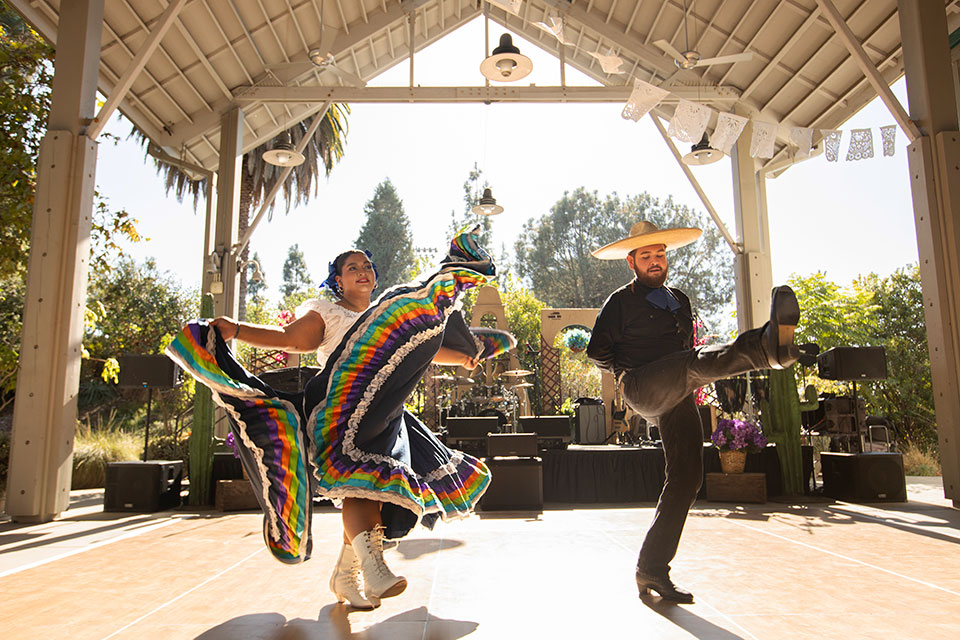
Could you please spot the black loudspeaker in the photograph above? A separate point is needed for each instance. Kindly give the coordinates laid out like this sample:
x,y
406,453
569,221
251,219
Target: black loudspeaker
x,y
864,477
547,426
290,379
153,372
591,423
471,428
515,483
512,444
853,363
143,486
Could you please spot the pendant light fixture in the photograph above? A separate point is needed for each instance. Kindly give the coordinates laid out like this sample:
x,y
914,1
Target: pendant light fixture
x,y
488,205
283,154
506,63
702,153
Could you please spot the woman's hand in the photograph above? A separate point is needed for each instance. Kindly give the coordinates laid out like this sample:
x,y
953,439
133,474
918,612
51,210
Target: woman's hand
x,y
451,358
228,327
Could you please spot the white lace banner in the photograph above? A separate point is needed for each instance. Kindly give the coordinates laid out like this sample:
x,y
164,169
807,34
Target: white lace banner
x,y
888,136
689,121
763,140
831,143
729,128
861,145
610,63
803,137
513,6
645,97
553,24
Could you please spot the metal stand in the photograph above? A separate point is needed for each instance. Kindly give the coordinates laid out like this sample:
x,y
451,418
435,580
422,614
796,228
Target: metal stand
x,y
146,429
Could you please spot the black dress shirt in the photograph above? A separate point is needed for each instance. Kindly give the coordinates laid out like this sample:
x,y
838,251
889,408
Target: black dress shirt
x,y
630,331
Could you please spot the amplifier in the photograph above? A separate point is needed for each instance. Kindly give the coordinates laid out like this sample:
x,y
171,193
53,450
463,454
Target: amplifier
x,y
547,426
515,483
512,444
145,371
472,427
153,485
853,363
591,424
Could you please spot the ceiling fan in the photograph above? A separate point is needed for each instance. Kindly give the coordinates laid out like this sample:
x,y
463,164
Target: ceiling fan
x,y
322,58
690,59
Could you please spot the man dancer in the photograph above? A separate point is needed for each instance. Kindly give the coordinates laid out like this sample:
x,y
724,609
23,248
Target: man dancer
x,y
644,336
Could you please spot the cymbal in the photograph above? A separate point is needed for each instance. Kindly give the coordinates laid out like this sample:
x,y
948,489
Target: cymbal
x,y
443,376
522,384
517,373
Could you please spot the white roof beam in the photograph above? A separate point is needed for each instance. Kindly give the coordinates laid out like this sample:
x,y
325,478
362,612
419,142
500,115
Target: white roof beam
x,y
869,70
308,95
136,65
798,35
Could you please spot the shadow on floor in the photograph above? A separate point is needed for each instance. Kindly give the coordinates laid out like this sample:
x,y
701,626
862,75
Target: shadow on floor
x,y
686,620
333,623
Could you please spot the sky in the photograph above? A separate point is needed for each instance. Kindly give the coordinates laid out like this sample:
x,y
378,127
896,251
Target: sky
x,y
843,218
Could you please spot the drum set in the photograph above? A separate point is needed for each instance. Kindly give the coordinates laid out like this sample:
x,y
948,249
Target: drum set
x,y
505,398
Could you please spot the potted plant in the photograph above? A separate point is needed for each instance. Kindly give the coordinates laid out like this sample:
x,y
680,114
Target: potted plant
x,y
734,439
577,339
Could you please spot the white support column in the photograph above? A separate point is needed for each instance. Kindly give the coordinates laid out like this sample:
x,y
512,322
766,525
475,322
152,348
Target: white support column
x,y
228,203
754,275
934,159
45,414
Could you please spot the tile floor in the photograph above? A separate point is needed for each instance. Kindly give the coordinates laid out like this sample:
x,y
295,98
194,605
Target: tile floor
x,y
805,569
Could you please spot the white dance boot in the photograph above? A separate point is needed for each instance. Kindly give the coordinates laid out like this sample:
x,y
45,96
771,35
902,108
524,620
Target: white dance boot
x,y
345,581
378,580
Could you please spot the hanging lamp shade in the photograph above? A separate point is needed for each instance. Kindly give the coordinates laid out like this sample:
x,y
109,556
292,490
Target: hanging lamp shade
x,y
488,205
283,154
702,153
506,63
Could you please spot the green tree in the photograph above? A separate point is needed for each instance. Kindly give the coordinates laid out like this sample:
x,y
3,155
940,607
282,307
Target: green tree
x,y
26,65
386,234
135,309
875,311
296,275
554,252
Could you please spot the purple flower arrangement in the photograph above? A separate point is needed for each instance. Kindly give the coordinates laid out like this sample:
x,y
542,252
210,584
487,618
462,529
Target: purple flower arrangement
x,y
232,443
738,435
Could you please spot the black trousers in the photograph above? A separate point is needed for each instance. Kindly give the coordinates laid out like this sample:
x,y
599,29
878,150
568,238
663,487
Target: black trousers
x,y
662,392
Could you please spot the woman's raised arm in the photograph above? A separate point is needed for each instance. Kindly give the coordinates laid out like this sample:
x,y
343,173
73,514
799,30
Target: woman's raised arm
x,y
300,336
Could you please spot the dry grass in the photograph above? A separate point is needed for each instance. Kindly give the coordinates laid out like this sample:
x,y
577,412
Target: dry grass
x,y
919,462
94,447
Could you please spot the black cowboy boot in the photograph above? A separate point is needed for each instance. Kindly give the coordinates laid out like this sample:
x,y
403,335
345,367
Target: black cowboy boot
x,y
777,338
661,583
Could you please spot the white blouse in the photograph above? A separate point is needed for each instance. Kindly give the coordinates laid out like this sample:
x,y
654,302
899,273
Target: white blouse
x,y
336,320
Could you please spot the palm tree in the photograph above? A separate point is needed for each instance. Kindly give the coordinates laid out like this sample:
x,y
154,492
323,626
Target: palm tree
x,y
258,177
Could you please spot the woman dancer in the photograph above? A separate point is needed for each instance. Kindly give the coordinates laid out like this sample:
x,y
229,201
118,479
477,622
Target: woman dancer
x,y
388,470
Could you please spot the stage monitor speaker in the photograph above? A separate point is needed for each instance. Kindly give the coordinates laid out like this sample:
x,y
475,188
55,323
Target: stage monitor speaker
x,y
143,486
547,426
591,421
864,477
512,444
471,427
853,363
515,483
148,372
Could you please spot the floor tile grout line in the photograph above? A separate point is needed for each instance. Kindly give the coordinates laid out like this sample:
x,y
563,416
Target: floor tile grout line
x,y
849,558
47,528
185,593
433,582
852,512
698,600
96,545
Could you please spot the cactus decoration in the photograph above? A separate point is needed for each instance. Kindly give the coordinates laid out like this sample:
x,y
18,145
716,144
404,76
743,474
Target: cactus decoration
x,y
780,416
201,434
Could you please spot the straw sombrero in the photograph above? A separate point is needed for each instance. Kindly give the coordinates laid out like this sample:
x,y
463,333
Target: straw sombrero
x,y
643,234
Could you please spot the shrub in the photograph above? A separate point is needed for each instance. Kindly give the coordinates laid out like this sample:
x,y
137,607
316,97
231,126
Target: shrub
x,y
919,462
95,447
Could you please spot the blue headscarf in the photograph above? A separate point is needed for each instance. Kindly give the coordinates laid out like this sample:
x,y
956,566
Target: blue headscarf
x,y
334,269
